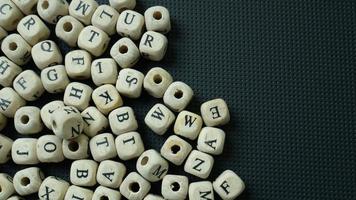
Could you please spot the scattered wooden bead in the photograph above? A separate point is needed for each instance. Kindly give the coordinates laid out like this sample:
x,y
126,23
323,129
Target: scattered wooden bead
x,y
106,98
6,186
130,24
123,120
215,112
10,15
102,147
53,188
93,40
78,95
3,121
159,119
76,192
201,190
110,174
228,185
125,53
16,198
121,5
78,64
129,83
54,79
33,29
156,82
157,19
46,53
28,85
199,164
188,125
49,149
135,186
52,11
102,192
67,123
129,145
23,151
175,187
153,46
68,29
175,150
5,150
94,121
77,148
16,49
83,10
47,110
27,7
153,197
152,166
105,18
211,140
104,71
8,71
28,181
177,96
28,121
3,33
10,102
83,172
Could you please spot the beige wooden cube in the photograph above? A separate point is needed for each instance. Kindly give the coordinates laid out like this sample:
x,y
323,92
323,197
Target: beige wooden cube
x,y
77,148
28,121
16,49
215,112
102,192
54,79
123,120
121,5
188,125
153,46
49,149
175,187
78,95
135,187
33,29
153,197
102,147
159,119
106,98
93,40
228,185
125,53
46,53
3,34
129,145
130,24
3,121
201,190
83,172
53,188
23,151
157,19
83,10
199,164
177,96
211,140
8,71
6,185
68,29
94,121
129,83
10,102
28,180
27,7
152,166
15,198
76,192
105,18
5,150
10,15
52,10
78,63
110,173
47,110
156,82
176,150
104,71
67,122
28,85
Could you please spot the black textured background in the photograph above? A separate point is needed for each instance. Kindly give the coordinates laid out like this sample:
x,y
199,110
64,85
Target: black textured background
x,y
287,72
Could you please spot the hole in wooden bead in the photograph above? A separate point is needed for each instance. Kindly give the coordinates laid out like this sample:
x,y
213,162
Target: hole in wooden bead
x,y
175,149
67,27
25,181
144,160
157,79
13,46
178,94
54,124
175,186
25,119
104,198
73,146
123,49
134,187
157,15
45,5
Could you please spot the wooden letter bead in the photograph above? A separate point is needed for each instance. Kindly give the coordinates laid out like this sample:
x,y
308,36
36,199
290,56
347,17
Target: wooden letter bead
x,y
157,19
52,11
53,188
78,64
83,172
153,197
175,150
46,53
10,15
47,110
153,45
102,147
33,29
123,120
5,148
228,185
67,123
93,40
211,140
16,49
129,83
106,98
68,29
105,18
156,82
94,121
130,24
54,79
178,96
6,186
76,193
28,121
135,186
129,145
8,71
201,190
152,166
10,102
159,118
175,187
110,174
125,53
49,149
121,5
24,152
3,121
199,164
3,33
215,112
102,192
27,7
28,85
28,181
83,10
104,71
188,125
77,148
78,95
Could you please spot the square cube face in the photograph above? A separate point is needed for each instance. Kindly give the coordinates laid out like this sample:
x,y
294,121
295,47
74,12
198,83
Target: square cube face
x,y
10,15
175,187
105,18
93,40
28,85
77,95
106,98
83,10
78,64
33,29
156,82
159,118
53,188
24,152
102,147
211,140
199,164
125,53
157,19
175,150
135,186
129,83
215,112
8,71
129,145
83,172
123,120
153,45
228,185
130,24
177,96
188,125
76,192
94,121
201,190
110,174
54,79
104,71
46,53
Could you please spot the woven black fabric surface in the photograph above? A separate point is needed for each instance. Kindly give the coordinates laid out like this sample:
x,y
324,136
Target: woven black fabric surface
x,y
287,72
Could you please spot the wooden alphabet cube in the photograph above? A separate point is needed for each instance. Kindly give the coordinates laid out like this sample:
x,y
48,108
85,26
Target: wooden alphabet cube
x,y
110,174
47,110
28,121
153,46
10,102
68,29
106,98
83,172
188,125
8,71
211,140
3,121
129,145
175,150
24,152
52,11
16,49
201,190
78,63
75,192
83,10
49,149
130,24
102,147
10,15
93,40
33,29
3,33
123,120
153,197
159,119
28,181
102,192
67,123
215,112
228,185
46,53
157,19
129,83
125,53
104,71
54,79
53,188
28,85
105,18
152,166
6,185
94,121
177,96
175,187
5,148
135,186
77,148
121,5
78,95
199,164
156,82
27,7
